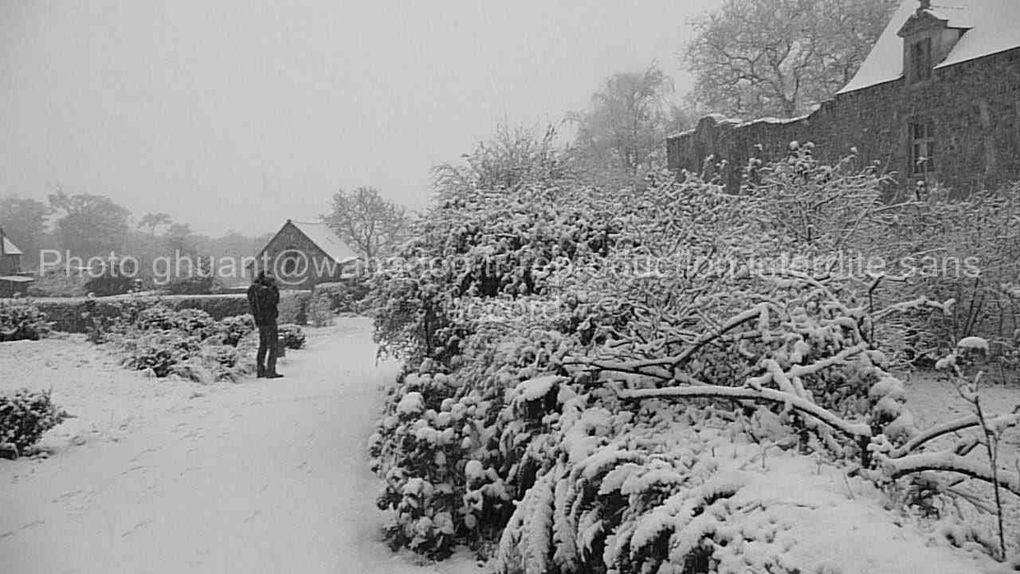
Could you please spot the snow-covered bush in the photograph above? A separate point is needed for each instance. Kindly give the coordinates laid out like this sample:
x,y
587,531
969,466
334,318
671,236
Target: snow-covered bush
x,y
192,322
186,343
506,249
159,351
347,296
24,416
421,449
929,243
21,320
545,349
232,329
460,439
973,258
292,337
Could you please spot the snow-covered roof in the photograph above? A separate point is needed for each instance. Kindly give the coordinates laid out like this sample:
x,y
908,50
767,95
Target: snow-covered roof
x,y
9,248
321,235
992,26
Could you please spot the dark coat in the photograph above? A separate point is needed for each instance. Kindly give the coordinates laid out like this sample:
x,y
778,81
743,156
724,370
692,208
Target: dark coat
x,y
263,298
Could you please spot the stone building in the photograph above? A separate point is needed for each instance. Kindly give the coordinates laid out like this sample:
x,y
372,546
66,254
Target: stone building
x,y
12,280
937,99
302,255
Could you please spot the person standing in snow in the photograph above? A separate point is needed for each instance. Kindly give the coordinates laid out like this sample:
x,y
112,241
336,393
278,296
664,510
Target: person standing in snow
x,y
263,298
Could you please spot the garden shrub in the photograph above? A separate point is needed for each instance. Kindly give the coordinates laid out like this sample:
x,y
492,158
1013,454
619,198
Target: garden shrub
x,y
186,343
215,363
513,379
293,306
192,322
930,244
347,296
24,416
233,329
466,251
21,319
977,264
159,351
543,354
292,337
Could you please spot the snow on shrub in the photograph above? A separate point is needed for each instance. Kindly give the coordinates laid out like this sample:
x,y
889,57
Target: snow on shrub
x,y
159,351
192,322
482,244
24,416
21,320
345,296
186,343
232,329
537,404
292,336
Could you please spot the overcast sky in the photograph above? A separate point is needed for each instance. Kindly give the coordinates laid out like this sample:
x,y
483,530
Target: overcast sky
x,y
239,114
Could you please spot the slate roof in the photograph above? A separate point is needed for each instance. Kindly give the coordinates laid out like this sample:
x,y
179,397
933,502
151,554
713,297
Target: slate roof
x,y
992,26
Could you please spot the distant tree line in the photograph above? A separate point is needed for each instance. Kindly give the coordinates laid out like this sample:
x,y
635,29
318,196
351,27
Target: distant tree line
x,y
88,225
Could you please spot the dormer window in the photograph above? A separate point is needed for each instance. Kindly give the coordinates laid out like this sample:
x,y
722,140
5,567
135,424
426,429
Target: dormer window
x,y
929,35
920,60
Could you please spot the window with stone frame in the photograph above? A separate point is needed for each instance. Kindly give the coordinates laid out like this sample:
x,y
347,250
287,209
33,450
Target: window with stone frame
x,y
922,147
920,60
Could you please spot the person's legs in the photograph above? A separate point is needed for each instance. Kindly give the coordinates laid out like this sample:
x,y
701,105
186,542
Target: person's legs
x,y
260,356
274,341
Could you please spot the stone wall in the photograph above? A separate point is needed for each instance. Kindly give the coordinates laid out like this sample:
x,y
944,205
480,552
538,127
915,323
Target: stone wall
x,y
974,107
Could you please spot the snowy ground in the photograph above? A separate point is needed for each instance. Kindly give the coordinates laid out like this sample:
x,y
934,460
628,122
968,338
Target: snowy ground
x,y
172,476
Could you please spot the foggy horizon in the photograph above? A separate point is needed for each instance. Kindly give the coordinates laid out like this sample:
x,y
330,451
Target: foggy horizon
x,y
238,117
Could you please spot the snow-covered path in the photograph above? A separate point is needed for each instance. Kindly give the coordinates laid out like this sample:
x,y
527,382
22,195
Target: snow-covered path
x,y
263,476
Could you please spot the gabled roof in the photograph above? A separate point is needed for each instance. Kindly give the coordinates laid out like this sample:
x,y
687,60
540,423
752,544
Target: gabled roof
x,y
321,235
992,26
9,248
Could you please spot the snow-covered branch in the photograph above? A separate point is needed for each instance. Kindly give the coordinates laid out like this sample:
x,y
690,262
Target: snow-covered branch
x,y
951,427
802,405
948,461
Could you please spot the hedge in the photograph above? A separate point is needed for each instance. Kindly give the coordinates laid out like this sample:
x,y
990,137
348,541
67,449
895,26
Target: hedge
x,y
68,314
343,297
